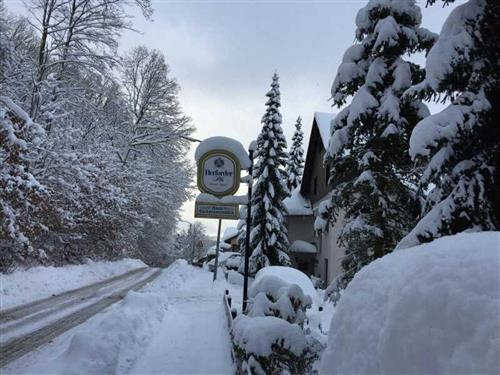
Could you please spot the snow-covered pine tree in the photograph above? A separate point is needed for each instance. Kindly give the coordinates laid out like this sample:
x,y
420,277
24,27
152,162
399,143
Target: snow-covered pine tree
x,y
295,165
459,147
269,238
368,149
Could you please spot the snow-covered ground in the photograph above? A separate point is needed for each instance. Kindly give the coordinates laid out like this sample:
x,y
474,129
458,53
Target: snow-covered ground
x,y
176,324
430,309
26,285
193,337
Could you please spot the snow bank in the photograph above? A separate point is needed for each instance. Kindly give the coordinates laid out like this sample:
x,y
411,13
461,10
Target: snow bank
x,y
23,286
289,276
430,309
111,340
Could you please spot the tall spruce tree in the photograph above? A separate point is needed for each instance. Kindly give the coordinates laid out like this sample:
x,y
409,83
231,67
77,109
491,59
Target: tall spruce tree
x,y
368,150
459,147
295,166
268,238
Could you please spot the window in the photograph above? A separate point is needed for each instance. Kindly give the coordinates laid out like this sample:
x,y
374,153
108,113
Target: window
x,y
315,185
327,175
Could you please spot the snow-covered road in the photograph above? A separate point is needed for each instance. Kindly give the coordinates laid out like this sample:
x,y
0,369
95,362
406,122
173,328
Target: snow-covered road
x,y
174,325
24,328
193,337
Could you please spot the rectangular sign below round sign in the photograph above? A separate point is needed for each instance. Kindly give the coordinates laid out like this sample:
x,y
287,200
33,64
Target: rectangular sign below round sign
x,y
219,173
228,211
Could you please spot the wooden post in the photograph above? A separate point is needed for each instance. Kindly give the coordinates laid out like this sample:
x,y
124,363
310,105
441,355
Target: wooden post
x,y
217,251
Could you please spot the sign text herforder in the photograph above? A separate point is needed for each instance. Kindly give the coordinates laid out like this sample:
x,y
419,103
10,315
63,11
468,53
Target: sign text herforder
x,y
219,173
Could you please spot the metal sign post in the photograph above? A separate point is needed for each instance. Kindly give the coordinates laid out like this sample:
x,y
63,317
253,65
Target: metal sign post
x,y
219,162
247,237
217,251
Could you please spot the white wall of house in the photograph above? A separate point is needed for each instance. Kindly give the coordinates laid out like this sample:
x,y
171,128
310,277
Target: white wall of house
x,y
330,254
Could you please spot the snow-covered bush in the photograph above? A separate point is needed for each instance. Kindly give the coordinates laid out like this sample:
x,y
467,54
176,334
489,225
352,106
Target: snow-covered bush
x,y
290,276
270,339
269,345
430,309
271,296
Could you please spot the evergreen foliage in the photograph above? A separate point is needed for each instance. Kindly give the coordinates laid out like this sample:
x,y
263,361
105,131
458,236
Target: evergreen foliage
x,y
295,166
459,147
372,178
268,238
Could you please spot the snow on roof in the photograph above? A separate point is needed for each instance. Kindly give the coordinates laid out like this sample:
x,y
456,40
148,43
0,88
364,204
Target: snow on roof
x,y
229,233
222,246
297,204
223,143
323,121
299,246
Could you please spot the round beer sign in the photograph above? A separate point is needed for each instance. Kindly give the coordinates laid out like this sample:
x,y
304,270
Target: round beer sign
x,y
219,173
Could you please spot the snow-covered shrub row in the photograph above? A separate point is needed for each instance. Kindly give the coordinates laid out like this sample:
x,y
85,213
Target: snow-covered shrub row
x,y
430,309
92,144
270,338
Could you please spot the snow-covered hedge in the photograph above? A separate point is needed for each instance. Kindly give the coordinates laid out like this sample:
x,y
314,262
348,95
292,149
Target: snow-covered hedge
x,y
430,309
270,345
271,296
270,339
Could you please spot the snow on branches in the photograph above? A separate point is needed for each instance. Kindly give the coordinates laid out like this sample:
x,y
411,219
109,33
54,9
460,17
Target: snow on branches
x,y
367,153
112,156
268,237
21,194
459,147
295,165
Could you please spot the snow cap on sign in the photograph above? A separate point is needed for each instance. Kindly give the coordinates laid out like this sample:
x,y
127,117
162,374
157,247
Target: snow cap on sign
x,y
223,143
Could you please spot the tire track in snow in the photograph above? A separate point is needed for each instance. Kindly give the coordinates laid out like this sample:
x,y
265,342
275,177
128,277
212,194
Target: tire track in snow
x,y
18,346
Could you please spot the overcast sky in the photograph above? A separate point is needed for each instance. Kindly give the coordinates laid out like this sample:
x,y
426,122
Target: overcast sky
x,y
223,54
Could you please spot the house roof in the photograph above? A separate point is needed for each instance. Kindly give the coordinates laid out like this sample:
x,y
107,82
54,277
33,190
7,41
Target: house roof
x,y
297,204
323,121
320,136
